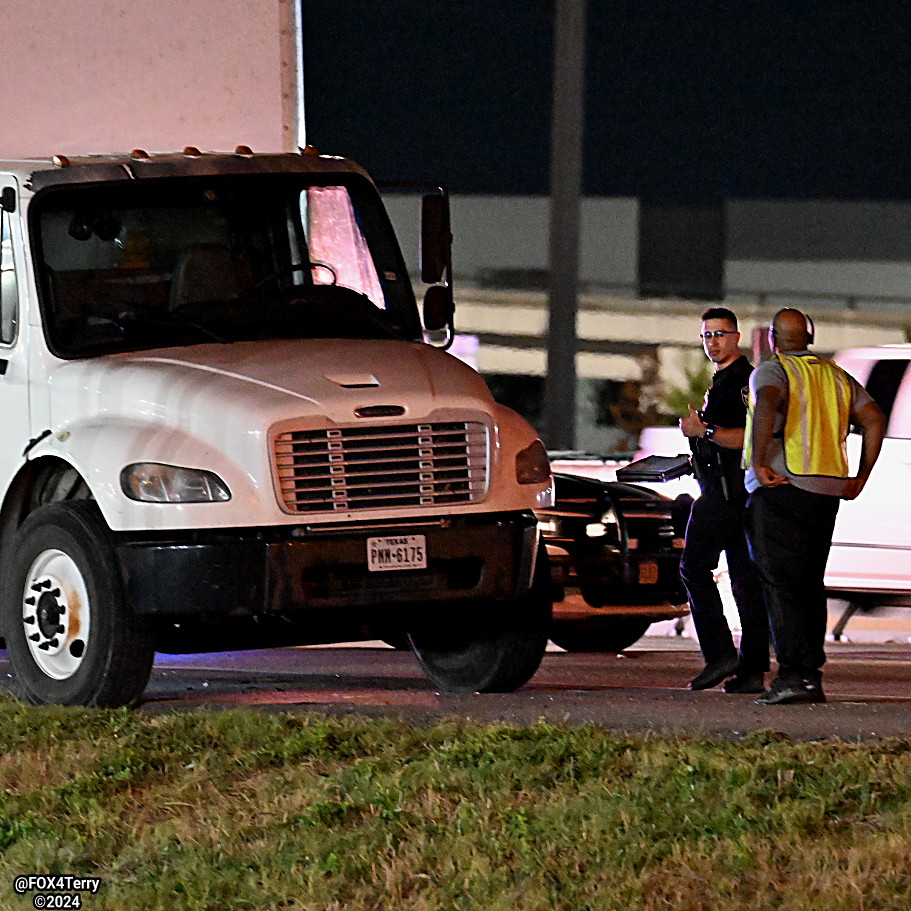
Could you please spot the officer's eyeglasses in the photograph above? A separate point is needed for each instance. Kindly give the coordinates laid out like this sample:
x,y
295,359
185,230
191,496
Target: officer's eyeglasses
x,y
718,333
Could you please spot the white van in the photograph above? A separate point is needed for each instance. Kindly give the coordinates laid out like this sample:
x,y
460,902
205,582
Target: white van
x,y
870,562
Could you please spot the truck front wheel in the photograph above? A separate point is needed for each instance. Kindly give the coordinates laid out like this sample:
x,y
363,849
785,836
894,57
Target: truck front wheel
x,y
489,648
69,635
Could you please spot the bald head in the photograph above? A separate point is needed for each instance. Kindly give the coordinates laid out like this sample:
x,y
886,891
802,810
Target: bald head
x,y
790,331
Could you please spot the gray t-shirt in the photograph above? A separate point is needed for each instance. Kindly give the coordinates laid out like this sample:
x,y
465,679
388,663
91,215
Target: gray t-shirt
x,y
771,373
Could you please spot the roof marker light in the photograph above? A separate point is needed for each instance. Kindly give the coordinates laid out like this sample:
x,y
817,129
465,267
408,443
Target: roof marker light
x,y
244,151
192,152
61,161
309,150
140,155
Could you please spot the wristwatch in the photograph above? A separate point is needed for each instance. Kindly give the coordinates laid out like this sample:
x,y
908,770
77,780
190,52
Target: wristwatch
x,y
709,432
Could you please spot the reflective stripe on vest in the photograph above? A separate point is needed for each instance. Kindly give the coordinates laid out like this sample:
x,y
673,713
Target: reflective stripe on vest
x,y
818,417
746,459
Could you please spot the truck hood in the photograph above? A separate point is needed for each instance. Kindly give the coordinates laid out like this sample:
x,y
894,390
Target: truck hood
x,y
330,378
221,408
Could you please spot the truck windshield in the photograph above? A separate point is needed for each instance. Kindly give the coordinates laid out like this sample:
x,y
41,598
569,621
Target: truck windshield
x,y
154,264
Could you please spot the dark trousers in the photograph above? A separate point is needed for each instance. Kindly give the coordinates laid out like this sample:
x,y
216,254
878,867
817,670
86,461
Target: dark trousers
x,y
716,525
790,534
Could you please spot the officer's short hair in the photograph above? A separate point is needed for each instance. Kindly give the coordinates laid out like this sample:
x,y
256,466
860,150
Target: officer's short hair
x,y
720,313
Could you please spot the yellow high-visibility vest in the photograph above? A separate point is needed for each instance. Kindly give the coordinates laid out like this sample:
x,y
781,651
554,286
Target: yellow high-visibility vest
x,y
818,417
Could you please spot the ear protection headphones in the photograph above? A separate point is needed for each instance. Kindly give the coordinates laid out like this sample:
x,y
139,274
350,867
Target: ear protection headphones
x,y
811,329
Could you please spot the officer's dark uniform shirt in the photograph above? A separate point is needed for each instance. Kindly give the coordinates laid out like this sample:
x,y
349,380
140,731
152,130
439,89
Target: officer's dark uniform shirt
x,y
718,469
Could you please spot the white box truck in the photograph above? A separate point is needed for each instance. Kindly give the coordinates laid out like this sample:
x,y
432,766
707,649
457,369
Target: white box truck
x,y
223,429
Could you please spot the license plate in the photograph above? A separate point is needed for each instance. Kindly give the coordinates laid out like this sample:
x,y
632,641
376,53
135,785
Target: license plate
x,y
402,552
648,573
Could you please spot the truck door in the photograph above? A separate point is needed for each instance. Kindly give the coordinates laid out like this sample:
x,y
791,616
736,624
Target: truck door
x,y
14,405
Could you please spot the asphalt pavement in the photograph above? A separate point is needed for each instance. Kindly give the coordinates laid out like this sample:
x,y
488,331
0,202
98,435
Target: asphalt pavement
x,y
642,690
639,691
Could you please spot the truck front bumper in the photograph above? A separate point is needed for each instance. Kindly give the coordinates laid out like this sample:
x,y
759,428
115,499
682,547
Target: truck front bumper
x,y
284,571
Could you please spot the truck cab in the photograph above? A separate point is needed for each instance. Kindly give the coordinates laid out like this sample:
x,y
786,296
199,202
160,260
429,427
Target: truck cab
x,y
226,428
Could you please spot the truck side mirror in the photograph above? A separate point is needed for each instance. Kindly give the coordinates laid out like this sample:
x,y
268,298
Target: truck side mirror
x,y
436,238
439,308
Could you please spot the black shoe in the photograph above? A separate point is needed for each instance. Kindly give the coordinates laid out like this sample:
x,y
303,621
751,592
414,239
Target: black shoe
x,y
789,693
741,683
712,674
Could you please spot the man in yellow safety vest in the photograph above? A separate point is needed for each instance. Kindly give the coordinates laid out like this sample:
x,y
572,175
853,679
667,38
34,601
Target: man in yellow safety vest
x,y
801,409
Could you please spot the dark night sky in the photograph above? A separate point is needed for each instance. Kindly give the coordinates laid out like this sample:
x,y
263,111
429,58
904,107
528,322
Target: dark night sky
x,y
693,100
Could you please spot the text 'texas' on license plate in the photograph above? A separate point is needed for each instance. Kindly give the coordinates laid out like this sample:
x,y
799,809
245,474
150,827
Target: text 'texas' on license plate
x,y
402,552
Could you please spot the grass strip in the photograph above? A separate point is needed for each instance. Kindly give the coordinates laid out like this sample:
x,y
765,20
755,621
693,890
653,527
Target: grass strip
x,y
222,811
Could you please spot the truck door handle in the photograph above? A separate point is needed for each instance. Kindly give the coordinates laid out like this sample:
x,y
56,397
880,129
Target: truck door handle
x,y
4,363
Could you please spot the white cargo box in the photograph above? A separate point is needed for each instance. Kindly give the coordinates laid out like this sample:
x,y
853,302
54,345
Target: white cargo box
x,y
113,75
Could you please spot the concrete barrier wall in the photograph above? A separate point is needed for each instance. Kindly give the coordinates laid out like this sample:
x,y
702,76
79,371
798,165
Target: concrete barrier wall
x,y
509,234
843,253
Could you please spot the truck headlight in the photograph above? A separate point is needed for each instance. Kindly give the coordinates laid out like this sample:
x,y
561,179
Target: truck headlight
x,y
152,482
532,464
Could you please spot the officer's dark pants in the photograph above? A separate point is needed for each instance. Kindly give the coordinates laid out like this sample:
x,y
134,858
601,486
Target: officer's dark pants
x,y
715,526
790,534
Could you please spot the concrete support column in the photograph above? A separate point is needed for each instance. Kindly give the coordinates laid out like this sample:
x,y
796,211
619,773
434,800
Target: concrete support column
x,y
565,191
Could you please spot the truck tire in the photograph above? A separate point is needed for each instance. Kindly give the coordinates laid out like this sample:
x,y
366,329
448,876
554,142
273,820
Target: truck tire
x,y
69,635
598,634
488,648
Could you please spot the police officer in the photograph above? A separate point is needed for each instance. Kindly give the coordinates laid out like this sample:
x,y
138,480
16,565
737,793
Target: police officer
x,y
801,408
716,521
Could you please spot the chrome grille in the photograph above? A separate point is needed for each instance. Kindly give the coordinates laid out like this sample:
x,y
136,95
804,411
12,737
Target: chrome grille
x,y
351,468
